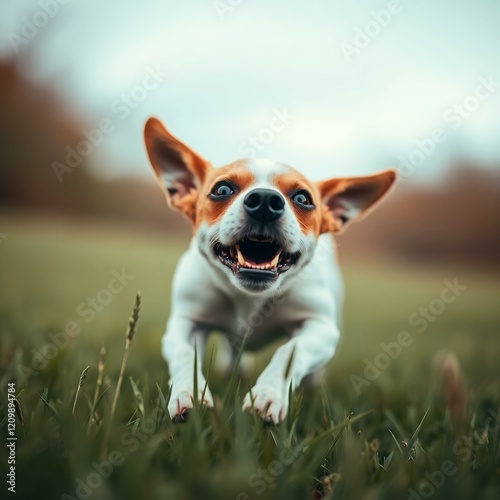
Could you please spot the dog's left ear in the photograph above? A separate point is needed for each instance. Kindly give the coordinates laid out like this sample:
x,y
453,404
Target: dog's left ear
x,y
347,199
179,170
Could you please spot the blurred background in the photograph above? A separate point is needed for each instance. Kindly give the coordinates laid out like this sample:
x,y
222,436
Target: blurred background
x,y
354,87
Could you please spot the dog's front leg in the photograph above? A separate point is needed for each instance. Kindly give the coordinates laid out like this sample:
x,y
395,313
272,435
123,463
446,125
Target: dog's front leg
x,y
178,348
309,349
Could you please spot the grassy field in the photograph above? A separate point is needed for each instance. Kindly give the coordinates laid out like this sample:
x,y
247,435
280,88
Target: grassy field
x,y
378,429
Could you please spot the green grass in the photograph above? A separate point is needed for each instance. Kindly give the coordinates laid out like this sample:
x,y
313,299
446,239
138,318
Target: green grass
x,y
336,442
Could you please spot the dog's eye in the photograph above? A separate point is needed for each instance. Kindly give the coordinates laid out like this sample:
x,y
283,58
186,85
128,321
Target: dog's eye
x,y
222,189
302,198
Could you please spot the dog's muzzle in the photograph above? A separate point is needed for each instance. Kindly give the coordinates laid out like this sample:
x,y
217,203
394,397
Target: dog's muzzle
x,y
256,261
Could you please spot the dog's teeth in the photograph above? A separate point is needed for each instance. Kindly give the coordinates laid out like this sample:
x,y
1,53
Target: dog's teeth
x,y
241,259
274,262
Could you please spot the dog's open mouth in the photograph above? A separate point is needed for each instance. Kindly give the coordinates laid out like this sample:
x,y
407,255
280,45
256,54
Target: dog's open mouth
x,y
257,255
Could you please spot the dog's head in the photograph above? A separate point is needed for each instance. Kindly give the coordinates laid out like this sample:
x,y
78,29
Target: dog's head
x,y
256,221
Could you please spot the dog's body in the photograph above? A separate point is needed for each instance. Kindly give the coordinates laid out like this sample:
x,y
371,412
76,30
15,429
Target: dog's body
x,y
308,311
261,260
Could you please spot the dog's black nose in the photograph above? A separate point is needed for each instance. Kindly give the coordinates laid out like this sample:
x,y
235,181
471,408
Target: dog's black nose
x,y
264,205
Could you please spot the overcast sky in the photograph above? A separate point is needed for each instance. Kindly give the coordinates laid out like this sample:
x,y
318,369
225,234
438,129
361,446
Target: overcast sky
x,y
349,87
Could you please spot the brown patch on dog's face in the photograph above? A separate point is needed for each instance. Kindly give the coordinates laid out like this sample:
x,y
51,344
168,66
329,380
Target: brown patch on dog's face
x,y
328,222
210,209
309,216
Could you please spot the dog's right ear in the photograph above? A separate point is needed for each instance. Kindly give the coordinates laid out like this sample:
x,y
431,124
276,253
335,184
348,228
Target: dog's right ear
x,y
179,170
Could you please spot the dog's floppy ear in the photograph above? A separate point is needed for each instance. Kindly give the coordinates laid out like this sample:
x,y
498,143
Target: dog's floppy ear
x,y
346,199
179,170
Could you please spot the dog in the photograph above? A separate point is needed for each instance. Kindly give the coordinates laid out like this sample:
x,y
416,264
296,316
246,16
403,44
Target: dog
x,y
262,259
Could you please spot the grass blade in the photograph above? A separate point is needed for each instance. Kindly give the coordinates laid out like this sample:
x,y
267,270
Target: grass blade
x,y
83,376
396,441
413,439
137,395
50,408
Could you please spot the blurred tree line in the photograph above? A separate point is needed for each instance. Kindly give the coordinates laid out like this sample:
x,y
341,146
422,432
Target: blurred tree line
x,y
455,219
35,131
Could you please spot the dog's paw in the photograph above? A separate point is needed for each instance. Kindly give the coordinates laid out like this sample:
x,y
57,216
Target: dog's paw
x,y
181,403
269,403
